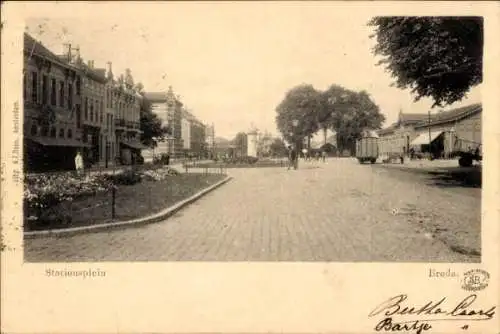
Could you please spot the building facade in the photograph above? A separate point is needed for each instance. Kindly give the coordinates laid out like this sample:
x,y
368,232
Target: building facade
x,y
111,113
126,103
52,95
93,112
440,133
187,133
70,105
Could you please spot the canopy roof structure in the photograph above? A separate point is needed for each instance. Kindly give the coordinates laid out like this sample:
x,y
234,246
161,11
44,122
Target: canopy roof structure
x,y
423,139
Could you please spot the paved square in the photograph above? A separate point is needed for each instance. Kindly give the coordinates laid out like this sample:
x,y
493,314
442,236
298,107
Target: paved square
x,y
338,211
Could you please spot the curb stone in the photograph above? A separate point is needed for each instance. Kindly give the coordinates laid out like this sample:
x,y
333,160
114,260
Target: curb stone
x,y
168,212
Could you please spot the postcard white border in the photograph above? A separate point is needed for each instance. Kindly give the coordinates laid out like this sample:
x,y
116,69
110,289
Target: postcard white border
x,y
230,297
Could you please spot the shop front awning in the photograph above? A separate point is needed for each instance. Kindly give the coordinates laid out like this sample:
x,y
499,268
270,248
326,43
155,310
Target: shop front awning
x,y
423,139
58,142
135,145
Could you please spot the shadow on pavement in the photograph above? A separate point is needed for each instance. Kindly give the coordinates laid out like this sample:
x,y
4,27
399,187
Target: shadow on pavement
x,y
450,177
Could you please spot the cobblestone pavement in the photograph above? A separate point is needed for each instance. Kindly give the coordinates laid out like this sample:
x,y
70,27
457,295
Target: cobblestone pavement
x,y
338,211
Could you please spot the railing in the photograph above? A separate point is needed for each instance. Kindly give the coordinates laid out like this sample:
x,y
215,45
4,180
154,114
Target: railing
x,y
210,166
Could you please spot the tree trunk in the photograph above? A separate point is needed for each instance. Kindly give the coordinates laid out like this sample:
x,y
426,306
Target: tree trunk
x,y
309,142
325,130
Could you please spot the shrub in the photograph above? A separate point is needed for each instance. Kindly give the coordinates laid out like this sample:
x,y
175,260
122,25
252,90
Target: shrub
x,y
126,178
162,159
242,160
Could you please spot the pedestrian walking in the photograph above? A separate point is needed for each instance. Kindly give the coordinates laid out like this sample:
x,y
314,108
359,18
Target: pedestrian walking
x,y
323,155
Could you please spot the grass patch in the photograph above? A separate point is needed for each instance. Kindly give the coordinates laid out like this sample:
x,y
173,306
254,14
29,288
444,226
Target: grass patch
x,y
131,201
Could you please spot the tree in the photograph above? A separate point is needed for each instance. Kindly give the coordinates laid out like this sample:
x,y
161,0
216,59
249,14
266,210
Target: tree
x,y
278,148
437,57
346,112
139,87
264,142
300,105
240,142
353,113
151,126
329,108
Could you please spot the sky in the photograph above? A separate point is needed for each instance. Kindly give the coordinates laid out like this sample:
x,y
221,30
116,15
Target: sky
x,y
232,63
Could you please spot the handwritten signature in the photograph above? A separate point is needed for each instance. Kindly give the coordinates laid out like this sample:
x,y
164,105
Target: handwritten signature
x,y
431,311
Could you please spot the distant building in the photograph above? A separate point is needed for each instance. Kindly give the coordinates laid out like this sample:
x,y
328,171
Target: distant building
x,y
187,132
444,132
159,106
194,133
252,143
210,140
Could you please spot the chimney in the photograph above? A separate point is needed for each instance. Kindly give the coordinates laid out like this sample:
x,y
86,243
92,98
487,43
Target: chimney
x,y
109,70
67,51
109,67
90,64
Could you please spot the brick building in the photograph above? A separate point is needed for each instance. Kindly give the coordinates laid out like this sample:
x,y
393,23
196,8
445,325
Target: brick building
x,y
70,105
52,95
441,133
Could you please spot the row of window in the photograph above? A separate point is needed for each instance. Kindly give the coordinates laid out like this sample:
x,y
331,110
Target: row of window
x,y
93,105
52,132
111,101
48,90
94,110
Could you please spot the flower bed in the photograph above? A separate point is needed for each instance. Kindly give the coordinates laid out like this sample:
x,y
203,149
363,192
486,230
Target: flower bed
x,y
45,194
143,198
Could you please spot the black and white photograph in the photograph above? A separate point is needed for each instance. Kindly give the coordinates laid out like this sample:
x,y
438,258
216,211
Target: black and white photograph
x,y
250,166
363,145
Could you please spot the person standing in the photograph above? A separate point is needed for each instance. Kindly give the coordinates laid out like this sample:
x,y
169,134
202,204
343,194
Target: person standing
x,y
304,153
79,163
292,157
295,158
323,155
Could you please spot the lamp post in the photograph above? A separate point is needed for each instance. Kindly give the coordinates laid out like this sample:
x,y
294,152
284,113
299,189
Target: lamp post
x,y
430,153
295,123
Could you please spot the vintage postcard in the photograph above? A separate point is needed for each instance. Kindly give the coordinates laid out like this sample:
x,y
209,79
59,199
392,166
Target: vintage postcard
x,y
241,167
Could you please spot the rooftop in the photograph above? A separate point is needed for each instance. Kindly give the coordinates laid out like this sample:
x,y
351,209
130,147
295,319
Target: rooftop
x,y
422,120
31,45
97,74
407,118
452,115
